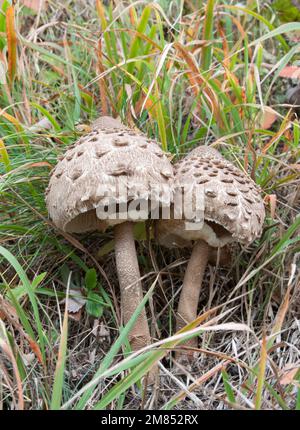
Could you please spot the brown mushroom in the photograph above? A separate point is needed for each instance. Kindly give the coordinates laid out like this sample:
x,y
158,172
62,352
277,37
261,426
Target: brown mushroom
x,y
105,172
233,210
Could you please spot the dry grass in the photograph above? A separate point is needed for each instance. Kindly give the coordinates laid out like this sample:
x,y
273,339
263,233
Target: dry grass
x,y
162,70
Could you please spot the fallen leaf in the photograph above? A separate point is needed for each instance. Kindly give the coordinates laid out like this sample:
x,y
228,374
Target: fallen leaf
x,y
75,302
288,377
75,316
292,72
269,116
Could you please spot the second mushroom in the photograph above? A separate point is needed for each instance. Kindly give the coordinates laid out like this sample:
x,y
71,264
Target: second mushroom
x,y
233,210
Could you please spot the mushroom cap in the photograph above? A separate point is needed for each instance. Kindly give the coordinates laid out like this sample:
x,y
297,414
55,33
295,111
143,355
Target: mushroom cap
x,y
108,167
233,207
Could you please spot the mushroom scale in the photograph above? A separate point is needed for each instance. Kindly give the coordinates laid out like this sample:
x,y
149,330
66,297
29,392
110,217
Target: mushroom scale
x,y
97,167
231,198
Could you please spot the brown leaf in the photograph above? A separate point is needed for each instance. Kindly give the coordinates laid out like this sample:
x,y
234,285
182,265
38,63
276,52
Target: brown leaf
x,y
290,72
288,377
75,316
283,127
268,118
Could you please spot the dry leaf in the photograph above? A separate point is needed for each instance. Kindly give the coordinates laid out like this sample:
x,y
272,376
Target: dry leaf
x,y
75,302
75,316
292,72
288,377
268,117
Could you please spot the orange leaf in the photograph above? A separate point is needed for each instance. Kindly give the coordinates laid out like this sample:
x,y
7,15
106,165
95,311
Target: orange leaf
x,y
290,72
35,349
11,42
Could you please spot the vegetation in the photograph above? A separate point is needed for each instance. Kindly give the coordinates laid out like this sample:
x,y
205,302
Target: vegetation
x,y
187,73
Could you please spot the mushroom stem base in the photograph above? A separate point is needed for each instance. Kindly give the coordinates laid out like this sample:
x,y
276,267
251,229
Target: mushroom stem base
x,y
189,297
130,285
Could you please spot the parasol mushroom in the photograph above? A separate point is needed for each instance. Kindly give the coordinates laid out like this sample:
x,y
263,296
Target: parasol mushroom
x,y
95,185
233,210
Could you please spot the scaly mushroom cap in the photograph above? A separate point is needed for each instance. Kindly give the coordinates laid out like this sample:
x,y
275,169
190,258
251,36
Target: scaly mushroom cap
x,y
110,165
233,207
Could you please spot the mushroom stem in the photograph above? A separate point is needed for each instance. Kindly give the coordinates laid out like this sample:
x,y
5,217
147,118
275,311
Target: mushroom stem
x,y
130,284
189,297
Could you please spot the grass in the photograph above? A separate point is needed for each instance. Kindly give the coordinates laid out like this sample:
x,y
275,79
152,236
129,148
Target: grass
x,y
187,73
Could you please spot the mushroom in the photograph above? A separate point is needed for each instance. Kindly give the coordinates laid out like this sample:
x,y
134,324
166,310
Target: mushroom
x,y
107,179
232,210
